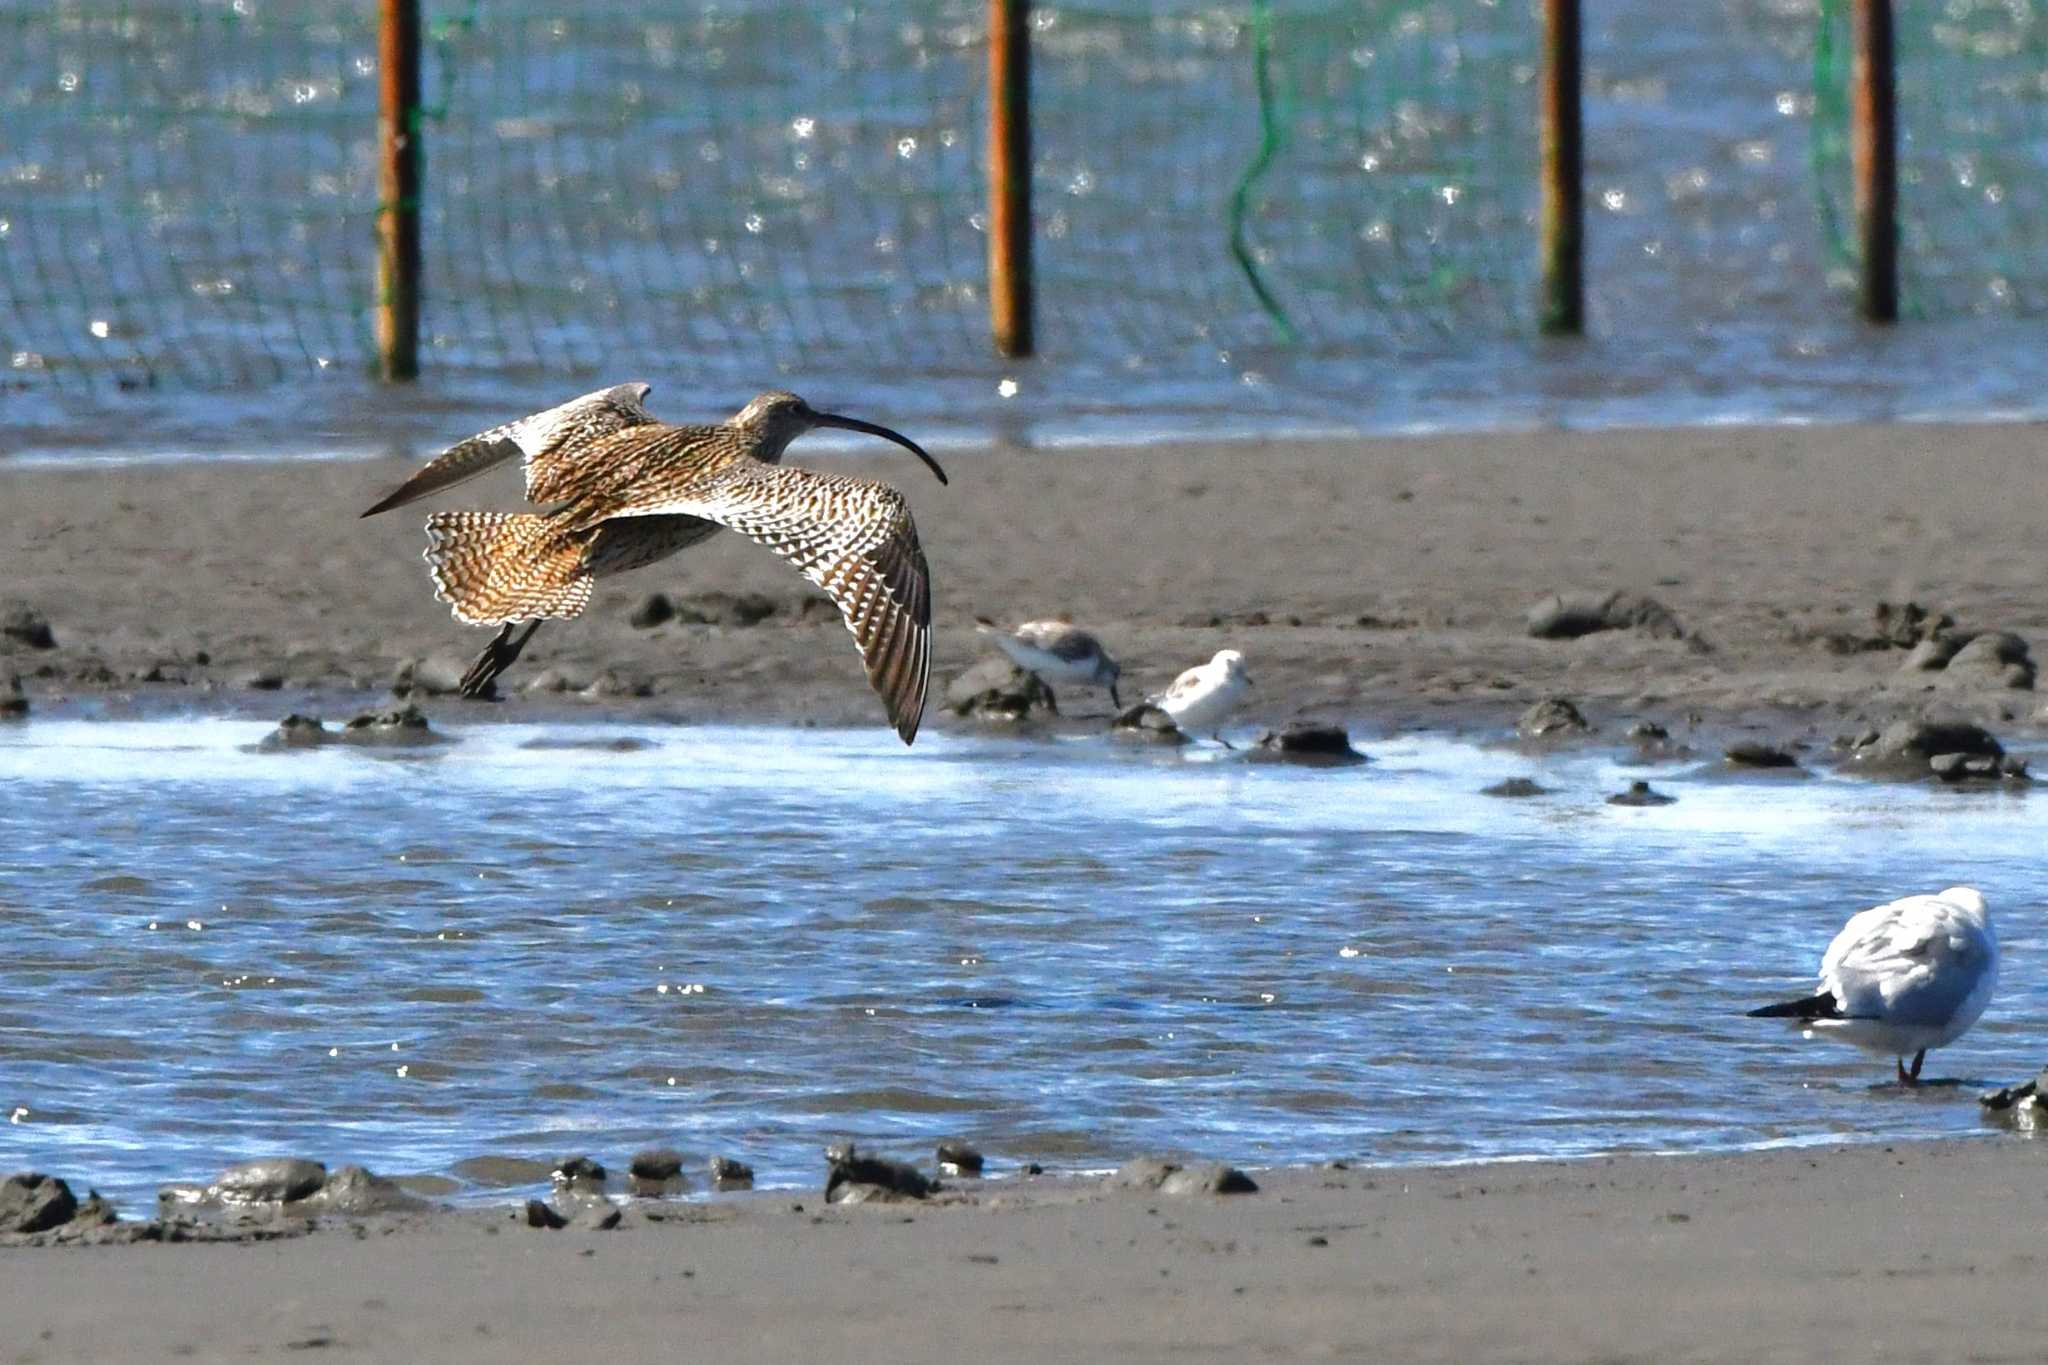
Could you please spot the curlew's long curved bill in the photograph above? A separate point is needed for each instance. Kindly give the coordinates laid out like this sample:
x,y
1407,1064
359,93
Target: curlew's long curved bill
x,y
833,419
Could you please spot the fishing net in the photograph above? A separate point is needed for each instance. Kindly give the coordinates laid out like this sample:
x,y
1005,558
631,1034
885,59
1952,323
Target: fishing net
x,y
188,189
1973,140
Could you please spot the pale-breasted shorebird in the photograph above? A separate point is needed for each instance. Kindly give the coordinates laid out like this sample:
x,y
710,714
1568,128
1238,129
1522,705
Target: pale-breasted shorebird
x,y
630,490
1056,652
1903,977
1201,698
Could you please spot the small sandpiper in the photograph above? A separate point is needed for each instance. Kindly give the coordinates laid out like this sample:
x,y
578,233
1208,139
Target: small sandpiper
x,y
1056,652
1202,697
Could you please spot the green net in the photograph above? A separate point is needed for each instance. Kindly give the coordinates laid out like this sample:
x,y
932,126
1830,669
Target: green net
x,y
1973,136
190,186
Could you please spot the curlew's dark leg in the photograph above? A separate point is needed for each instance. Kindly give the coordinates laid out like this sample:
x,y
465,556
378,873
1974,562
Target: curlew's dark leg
x,y
1115,700
1218,737
498,655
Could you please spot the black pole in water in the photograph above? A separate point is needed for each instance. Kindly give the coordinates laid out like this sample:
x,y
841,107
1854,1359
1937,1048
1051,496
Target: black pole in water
x,y
1562,225
1874,150
397,294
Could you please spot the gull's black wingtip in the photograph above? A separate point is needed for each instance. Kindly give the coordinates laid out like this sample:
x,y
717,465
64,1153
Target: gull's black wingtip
x,y
1820,1006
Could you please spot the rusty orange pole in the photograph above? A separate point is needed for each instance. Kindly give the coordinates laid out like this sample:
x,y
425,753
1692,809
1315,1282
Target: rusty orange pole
x,y
398,190
1562,221
1874,153
1009,175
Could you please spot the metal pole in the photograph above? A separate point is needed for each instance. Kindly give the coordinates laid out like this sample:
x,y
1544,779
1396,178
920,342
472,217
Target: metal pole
x,y
1009,175
1562,224
398,190
1874,152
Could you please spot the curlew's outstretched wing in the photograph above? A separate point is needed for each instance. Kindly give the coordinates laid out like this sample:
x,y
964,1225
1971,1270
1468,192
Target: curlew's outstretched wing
x,y
852,537
546,440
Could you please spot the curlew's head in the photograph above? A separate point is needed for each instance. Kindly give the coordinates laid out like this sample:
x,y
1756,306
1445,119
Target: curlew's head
x,y
777,417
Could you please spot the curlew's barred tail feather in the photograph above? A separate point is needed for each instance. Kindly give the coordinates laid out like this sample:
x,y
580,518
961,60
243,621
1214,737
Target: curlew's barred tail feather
x,y
495,567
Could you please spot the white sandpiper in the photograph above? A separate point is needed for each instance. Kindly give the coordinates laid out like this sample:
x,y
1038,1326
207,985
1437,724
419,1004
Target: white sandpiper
x,y
1056,652
1904,977
1202,697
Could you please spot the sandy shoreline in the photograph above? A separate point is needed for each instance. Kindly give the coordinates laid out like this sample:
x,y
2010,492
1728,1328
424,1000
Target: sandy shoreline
x,y
1914,1251
1378,582
1382,583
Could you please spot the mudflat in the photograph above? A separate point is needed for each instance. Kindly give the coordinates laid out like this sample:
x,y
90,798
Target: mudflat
x,y
1923,1251
1377,582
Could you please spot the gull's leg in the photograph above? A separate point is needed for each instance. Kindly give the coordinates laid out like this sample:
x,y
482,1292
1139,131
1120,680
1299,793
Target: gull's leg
x,y
1918,1058
1218,737
498,656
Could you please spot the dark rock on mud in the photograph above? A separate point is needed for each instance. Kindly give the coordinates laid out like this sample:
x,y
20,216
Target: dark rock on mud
x,y
729,1174
1640,794
656,1163
13,701
957,1158
1567,616
33,1202
262,678
1907,624
1552,718
439,675
1171,1178
270,1180
501,1172
23,625
1922,748
655,609
1754,753
581,1174
718,608
1515,787
1931,656
2023,1107
997,690
555,678
353,1191
1980,768
848,1169
1144,723
1316,745
619,682
297,732
541,1215
407,725
1997,658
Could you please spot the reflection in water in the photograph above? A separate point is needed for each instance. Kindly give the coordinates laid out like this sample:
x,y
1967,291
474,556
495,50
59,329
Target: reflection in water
x,y
538,940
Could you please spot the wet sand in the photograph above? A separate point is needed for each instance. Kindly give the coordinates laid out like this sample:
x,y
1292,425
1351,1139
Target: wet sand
x,y
1378,582
1381,583
1927,1251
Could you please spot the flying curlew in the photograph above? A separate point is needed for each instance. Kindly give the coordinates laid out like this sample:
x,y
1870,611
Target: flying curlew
x,y
628,490
1903,977
1056,652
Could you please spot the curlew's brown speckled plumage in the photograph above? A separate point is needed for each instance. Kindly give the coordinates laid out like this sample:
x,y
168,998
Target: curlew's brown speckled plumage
x,y
632,490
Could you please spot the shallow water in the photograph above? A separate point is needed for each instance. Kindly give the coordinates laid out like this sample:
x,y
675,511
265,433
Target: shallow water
x,y
539,940
561,254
